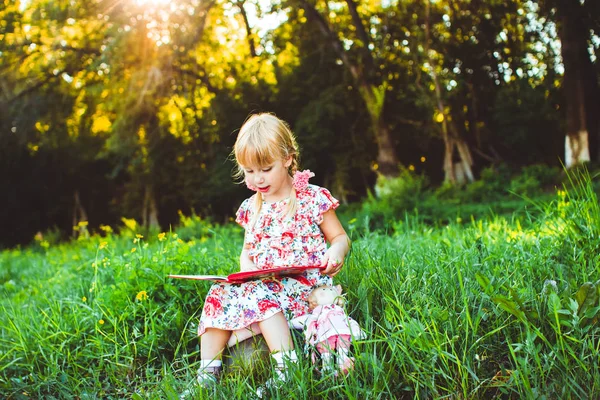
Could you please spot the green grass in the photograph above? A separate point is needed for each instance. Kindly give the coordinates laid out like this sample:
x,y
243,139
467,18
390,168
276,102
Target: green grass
x,y
495,307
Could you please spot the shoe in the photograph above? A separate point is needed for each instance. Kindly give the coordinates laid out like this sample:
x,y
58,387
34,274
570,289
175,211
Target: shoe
x,y
276,382
345,365
208,377
207,380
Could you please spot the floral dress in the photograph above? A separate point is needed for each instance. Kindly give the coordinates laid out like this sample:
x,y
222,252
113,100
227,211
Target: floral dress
x,y
274,240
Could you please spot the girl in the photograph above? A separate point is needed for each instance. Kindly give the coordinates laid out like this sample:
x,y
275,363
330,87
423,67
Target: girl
x,y
287,223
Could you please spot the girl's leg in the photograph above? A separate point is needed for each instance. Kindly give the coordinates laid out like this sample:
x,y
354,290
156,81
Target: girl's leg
x,y
277,334
212,344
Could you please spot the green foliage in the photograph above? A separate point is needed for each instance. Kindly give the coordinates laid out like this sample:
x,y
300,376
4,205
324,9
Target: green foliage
x,y
497,192
394,197
491,184
193,227
533,179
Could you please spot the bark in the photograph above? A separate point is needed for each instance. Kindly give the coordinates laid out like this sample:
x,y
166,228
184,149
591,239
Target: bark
x,y
79,215
150,210
373,95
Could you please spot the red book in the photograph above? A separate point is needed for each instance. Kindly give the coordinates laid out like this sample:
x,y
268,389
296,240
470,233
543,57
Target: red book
x,y
245,276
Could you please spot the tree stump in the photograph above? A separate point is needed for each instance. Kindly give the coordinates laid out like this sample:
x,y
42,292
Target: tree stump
x,y
247,354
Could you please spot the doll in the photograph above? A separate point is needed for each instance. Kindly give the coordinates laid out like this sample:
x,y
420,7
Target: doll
x,y
329,329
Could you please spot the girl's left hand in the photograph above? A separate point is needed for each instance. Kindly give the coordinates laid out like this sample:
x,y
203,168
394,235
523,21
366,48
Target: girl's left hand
x,y
333,260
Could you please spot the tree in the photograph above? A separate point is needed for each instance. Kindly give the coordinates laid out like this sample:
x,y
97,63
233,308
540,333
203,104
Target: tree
x,y
359,61
575,21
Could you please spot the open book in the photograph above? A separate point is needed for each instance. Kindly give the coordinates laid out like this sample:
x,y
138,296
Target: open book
x,y
245,276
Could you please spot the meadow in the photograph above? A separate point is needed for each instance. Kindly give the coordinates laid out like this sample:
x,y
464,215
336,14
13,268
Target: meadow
x,y
494,306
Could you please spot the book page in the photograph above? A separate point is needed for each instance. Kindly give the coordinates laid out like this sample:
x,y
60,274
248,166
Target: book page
x,y
217,278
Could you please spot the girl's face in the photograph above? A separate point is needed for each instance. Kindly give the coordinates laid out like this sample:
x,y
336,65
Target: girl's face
x,y
272,180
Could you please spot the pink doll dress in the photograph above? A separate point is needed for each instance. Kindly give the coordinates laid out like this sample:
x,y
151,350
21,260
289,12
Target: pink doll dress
x,y
275,240
329,320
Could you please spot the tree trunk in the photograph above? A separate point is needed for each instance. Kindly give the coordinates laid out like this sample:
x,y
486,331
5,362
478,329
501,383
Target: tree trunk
x,y
372,95
150,210
80,218
454,172
575,56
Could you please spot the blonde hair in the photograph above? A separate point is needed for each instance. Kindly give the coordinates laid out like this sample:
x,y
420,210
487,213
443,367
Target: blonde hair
x,y
262,140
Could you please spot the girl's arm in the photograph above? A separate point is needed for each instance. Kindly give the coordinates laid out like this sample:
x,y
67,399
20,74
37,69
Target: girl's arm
x,y
339,243
246,263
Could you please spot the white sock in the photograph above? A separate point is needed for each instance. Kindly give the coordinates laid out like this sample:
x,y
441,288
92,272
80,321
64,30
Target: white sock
x,y
210,365
281,358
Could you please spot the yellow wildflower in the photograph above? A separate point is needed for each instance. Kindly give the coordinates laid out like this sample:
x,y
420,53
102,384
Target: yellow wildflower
x,y
101,322
103,245
106,228
133,249
84,299
161,236
137,235
141,296
129,223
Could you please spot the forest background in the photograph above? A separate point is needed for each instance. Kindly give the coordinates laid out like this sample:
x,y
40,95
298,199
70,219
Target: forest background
x,y
112,109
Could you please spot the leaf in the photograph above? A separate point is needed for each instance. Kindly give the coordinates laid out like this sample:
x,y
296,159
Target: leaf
x,y
483,281
586,296
510,306
591,312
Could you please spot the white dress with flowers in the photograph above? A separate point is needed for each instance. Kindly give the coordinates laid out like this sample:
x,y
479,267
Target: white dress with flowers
x,y
275,240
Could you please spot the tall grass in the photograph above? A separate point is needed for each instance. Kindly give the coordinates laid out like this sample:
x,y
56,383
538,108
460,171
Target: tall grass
x,y
493,307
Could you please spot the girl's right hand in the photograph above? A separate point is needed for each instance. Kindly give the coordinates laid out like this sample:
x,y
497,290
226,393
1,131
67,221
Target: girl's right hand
x,y
246,263
248,266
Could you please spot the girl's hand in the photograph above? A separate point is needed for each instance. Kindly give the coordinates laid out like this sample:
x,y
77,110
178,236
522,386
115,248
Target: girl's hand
x,y
248,266
333,260
246,263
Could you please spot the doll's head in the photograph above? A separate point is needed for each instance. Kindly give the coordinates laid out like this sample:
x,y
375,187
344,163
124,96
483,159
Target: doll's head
x,y
325,295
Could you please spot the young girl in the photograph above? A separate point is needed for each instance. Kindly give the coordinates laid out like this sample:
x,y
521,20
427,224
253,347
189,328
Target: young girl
x,y
288,222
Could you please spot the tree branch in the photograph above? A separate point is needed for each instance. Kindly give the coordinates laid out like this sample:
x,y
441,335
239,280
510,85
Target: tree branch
x,y
202,77
249,35
362,35
34,87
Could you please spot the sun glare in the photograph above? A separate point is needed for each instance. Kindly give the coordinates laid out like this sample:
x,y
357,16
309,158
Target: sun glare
x,y
152,2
